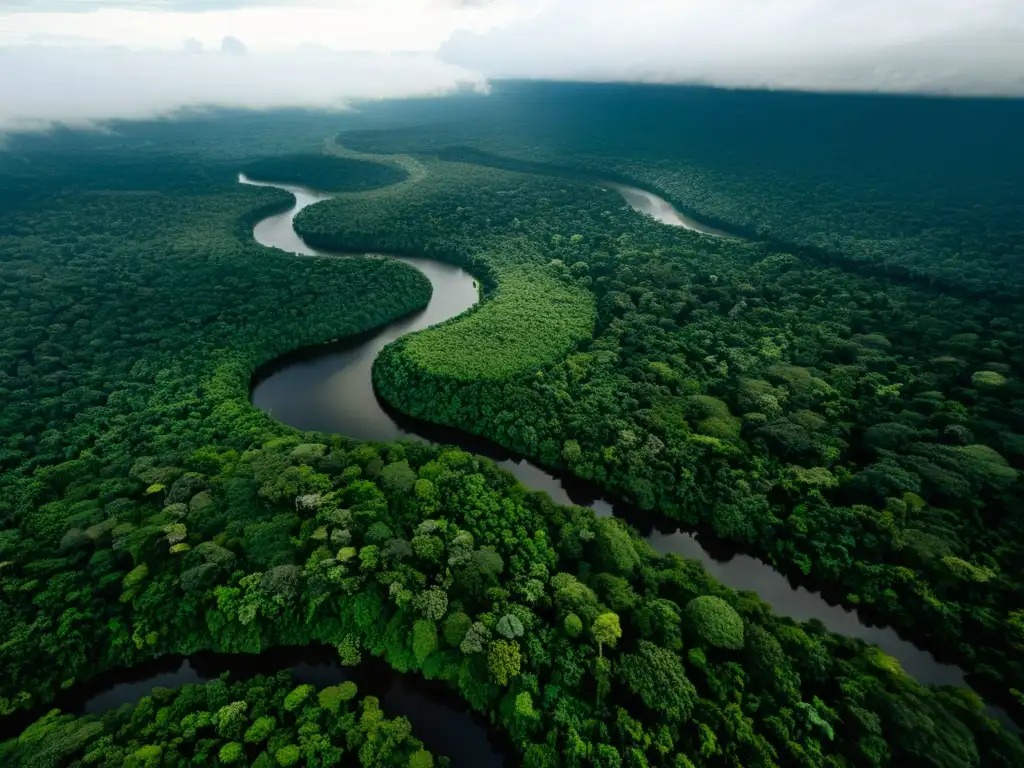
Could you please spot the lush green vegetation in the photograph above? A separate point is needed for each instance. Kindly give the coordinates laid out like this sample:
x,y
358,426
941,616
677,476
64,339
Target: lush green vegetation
x,y
857,431
265,722
583,645
534,318
136,307
531,316
325,173
135,315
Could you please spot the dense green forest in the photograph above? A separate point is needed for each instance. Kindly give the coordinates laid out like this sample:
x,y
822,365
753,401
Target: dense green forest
x,y
584,646
265,722
859,430
915,188
856,432
136,312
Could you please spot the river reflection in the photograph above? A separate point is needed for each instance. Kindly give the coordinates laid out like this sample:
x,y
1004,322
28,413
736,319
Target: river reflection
x,y
329,389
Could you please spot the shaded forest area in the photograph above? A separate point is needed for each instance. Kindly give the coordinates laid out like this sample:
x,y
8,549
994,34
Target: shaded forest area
x,y
855,430
136,295
921,189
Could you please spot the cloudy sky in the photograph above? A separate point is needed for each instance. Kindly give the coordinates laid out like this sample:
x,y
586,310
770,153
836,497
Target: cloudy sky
x,y
88,59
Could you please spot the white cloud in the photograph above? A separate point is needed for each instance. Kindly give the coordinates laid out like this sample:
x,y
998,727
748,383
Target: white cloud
x,y
958,46
191,6
86,60
232,46
46,84
368,25
82,60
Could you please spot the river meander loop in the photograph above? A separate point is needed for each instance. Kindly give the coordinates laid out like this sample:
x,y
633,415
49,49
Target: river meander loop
x,y
329,388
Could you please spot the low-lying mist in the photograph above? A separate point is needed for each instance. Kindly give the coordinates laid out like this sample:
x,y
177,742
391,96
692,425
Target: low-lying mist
x,y
77,86
902,46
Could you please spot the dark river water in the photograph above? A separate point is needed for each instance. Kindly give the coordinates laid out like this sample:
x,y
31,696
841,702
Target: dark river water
x,y
328,388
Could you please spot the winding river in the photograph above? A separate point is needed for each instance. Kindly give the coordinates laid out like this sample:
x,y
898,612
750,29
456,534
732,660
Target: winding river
x,y
328,388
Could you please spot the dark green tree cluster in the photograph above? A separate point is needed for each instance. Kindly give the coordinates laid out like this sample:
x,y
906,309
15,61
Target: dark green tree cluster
x,y
264,722
135,315
583,645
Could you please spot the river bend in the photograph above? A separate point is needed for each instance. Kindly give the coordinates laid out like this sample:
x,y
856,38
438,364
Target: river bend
x,y
329,389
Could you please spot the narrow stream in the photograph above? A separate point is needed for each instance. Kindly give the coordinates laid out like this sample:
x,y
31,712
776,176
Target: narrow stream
x,y
328,388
